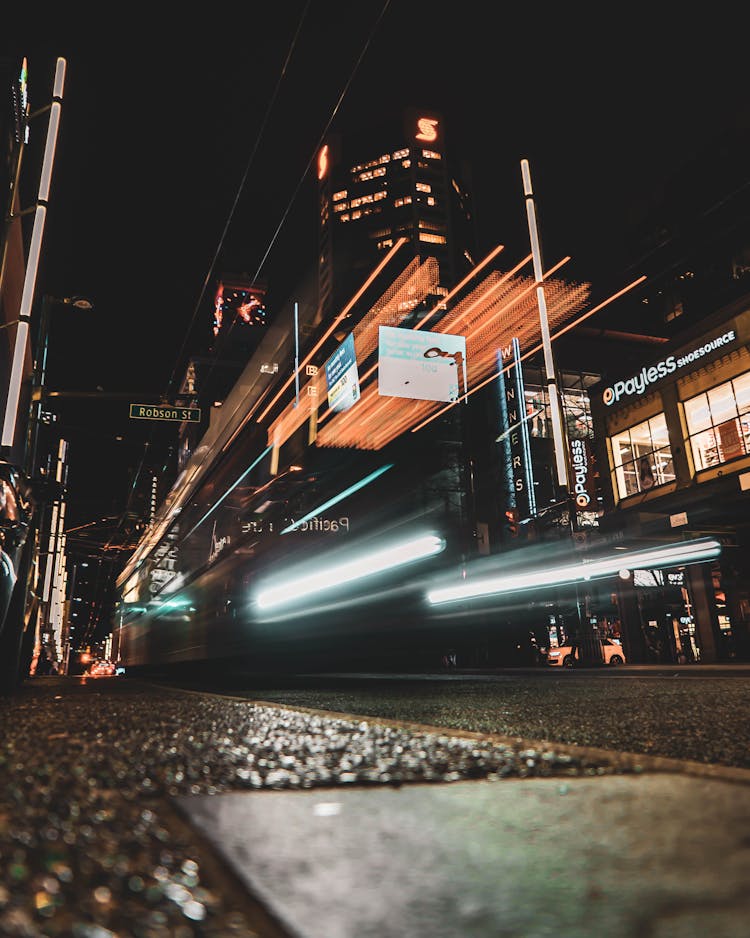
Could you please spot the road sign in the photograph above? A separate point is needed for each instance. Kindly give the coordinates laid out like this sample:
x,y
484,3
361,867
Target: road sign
x,y
165,412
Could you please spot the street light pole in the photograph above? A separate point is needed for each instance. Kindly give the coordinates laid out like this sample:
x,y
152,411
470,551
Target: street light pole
x,y
590,651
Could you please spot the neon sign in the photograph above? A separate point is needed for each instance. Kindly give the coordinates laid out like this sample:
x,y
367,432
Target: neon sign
x,y
427,129
579,459
323,162
638,383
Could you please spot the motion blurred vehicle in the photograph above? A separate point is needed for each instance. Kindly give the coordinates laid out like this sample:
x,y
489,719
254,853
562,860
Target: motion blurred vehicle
x,y
564,655
18,573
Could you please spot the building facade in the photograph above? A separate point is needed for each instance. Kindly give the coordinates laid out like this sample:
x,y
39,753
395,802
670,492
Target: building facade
x,y
675,439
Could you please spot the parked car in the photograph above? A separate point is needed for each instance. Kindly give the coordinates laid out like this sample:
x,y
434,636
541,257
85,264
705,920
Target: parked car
x,y
18,567
564,655
101,669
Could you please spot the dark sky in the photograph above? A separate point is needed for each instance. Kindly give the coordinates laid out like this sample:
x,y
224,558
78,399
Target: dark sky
x,y
160,122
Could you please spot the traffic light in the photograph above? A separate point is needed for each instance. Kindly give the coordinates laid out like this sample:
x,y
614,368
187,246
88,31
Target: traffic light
x,y
511,522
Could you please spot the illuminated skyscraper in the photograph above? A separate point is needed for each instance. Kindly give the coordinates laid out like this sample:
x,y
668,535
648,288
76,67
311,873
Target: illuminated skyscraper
x,y
392,181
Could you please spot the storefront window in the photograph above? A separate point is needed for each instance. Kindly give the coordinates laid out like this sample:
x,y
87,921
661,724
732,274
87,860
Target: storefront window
x,y
576,404
642,457
718,423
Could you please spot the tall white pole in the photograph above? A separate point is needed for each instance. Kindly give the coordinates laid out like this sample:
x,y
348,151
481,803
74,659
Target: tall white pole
x,y
32,264
296,354
558,430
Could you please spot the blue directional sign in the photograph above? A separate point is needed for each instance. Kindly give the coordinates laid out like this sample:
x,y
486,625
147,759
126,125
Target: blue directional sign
x,y
342,376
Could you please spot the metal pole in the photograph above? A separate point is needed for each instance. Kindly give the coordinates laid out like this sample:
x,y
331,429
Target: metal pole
x,y
590,651
558,428
296,354
32,264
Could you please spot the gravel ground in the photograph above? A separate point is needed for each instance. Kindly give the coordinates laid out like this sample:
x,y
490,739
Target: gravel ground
x,y
91,846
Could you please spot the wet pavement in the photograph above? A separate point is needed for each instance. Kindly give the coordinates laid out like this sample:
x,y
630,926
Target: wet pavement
x,y
128,809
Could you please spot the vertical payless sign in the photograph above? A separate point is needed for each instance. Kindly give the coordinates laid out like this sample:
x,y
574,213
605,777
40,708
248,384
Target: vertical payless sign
x,y
581,474
342,376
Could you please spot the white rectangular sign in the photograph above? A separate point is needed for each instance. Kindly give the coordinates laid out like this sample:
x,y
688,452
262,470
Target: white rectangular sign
x,y
425,366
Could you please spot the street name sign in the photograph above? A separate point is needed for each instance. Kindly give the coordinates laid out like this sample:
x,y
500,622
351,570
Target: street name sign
x,y
165,412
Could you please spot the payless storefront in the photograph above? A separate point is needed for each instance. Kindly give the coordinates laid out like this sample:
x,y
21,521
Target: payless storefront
x,y
677,438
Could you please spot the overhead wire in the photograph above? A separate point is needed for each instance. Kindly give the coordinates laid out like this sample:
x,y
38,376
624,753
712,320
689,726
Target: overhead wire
x,y
219,247
281,223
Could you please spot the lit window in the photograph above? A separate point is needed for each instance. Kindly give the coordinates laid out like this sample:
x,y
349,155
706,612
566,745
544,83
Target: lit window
x,y
431,225
423,187
387,243
718,423
357,214
344,216
385,158
371,173
337,196
400,154
642,457
431,200
406,164
341,207
432,238
431,155
674,310
406,200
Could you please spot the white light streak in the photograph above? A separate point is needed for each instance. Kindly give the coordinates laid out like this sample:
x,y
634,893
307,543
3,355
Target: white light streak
x,y
668,555
395,555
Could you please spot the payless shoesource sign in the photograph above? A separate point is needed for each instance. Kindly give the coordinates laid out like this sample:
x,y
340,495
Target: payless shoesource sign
x,y
638,383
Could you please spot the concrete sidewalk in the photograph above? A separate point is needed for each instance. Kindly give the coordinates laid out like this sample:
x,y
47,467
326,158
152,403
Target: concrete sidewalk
x,y
616,856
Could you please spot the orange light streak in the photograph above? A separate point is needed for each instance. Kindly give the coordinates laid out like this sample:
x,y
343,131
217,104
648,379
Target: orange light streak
x,y
504,279
511,303
408,289
531,351
374,421
332,328
470,276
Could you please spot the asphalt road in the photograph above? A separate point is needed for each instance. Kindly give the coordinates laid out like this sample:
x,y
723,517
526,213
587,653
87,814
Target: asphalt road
x,y
698,713
283,810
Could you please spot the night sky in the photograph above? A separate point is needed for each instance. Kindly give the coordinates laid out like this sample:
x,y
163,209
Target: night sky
x,y
160,124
